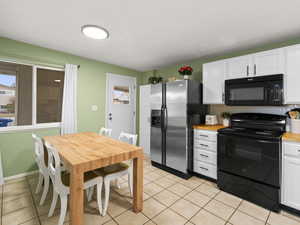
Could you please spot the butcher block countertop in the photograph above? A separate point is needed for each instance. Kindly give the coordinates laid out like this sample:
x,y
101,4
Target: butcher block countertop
x,y
291,137
209,127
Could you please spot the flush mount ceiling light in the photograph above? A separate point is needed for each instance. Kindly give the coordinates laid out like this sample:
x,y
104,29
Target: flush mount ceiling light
x,y
95,32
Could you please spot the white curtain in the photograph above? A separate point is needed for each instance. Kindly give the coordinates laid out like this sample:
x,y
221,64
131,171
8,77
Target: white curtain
x,y
69,105
1,172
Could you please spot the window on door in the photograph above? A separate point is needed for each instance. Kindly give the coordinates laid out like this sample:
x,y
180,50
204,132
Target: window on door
x,y
121,95
29,95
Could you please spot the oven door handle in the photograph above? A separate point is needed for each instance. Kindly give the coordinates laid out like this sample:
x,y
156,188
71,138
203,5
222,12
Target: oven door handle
x,y
251,138
267,141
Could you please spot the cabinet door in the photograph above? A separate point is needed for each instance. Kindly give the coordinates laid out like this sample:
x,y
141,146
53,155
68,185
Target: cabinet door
x,y
145,111
292,75
291,182
213,82
268,62
239,67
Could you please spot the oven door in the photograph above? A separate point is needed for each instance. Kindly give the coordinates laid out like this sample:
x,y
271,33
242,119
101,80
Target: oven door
x,y
243,94
249,157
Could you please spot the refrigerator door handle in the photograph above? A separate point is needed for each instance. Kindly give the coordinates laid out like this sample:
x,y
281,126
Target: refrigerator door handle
x,y
166,118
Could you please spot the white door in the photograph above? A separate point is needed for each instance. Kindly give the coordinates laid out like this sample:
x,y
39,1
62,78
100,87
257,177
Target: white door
x,y
268,62
120,104
239,67
292,75
291,182
145,113
213,82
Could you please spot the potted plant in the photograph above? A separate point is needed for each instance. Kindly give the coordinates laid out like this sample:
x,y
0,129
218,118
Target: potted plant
x,y
226,118
185,71
155,80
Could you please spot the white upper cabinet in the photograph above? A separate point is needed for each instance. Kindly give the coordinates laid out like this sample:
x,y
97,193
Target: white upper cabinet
x,y
258,64
268,63
213,82
238,67
292,75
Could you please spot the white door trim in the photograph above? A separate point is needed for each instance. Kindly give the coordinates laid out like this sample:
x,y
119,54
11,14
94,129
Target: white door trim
x,y
108,76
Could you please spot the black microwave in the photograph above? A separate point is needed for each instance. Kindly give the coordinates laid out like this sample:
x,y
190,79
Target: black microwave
x,y
255,91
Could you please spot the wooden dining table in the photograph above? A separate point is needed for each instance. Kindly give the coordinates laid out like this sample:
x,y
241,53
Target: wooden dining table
x,y
87,151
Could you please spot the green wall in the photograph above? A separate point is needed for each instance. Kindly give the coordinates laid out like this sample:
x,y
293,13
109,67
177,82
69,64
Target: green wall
x,y
171,71
17,147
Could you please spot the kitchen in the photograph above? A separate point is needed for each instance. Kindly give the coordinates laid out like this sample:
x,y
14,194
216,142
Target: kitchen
x,y
149,112
256,157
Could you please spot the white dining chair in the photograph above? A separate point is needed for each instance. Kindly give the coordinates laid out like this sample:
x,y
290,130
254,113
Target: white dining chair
x,y
116,171
42,167
61,184
105,131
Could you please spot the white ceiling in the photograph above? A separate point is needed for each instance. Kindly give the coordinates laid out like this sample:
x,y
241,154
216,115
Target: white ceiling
x,y
150,34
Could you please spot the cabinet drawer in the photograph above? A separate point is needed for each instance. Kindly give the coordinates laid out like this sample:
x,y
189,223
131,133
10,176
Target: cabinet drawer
x,y
291,149
205,135
205,145
205,156
205,169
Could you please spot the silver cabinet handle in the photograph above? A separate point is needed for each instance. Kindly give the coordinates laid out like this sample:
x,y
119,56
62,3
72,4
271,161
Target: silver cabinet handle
x,y
204,155
203,168
202,135
204,145
254,69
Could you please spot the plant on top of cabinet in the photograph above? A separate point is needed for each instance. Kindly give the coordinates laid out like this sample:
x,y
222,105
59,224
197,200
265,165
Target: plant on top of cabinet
x,y
155,80
185,71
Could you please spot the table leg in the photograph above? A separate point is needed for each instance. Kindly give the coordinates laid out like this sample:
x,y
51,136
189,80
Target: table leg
x,y
76,197
138,179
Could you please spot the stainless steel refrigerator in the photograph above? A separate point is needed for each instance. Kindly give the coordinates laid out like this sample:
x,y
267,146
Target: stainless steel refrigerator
x,y
175,108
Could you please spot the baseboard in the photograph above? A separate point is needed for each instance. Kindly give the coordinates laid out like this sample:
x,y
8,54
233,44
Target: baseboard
x,y
20,175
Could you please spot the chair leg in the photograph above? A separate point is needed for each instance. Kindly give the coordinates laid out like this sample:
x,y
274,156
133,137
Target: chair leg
x,y
63,209
106,193
89,193
99,197
130,182
40,182
117,183
53,203
45,191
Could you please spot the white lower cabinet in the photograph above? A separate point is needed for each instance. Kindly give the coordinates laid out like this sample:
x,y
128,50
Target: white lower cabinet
x,y
205,153
290,187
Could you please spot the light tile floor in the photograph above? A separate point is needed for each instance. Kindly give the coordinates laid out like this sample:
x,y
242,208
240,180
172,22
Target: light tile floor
x,y
168,200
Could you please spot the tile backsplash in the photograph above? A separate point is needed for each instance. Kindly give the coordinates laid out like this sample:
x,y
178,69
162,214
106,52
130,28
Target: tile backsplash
x,y
280,110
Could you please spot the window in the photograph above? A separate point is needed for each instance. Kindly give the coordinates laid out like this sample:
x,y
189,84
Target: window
x,y
50,85
121,95
29,95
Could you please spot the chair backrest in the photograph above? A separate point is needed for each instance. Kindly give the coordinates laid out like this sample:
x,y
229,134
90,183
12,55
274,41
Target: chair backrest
x,y
54,166
128,138
105,131
39,152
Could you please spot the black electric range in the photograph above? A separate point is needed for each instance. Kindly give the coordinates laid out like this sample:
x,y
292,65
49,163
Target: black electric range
x,y
249,158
